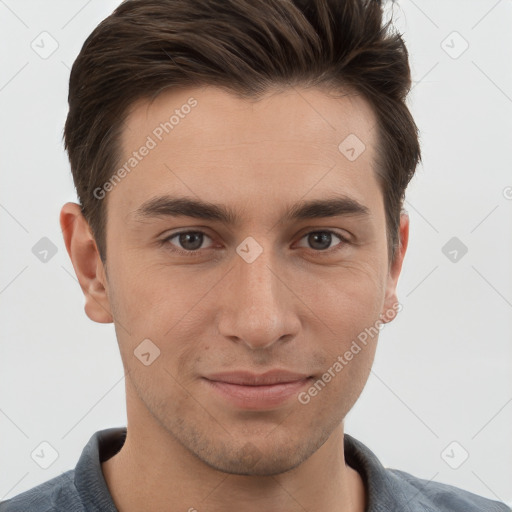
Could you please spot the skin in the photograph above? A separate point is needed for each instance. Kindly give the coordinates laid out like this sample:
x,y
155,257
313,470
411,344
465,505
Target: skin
x,y
295,307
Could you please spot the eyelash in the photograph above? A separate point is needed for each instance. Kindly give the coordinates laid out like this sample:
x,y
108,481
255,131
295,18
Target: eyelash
x,y
198,252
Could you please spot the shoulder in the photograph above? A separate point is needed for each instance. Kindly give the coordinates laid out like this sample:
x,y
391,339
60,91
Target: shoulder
x,y
57,494
439,497
393,489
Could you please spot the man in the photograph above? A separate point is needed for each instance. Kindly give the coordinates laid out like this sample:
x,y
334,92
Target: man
x,y
241,168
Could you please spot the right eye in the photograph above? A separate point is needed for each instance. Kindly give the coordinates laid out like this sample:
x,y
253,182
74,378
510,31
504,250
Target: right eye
x,y
190,241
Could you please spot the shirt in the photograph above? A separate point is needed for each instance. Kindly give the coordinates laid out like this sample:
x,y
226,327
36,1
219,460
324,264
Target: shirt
x,y
84,489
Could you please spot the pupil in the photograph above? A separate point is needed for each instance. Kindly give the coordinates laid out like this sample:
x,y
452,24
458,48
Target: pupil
x,y
185,238
324,237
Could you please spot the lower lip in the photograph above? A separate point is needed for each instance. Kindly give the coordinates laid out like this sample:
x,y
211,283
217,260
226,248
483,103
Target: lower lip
x,y
257,397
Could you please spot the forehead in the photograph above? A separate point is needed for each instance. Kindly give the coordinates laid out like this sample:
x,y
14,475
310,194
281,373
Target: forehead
x,y
209,143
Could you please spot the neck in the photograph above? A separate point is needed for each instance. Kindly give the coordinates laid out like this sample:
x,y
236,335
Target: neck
x,y
153,471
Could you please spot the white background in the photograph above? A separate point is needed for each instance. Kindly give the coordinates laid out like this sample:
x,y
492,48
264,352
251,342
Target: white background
x,y
443,370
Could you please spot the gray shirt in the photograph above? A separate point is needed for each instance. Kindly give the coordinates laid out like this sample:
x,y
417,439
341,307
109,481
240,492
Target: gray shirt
x,y
84,489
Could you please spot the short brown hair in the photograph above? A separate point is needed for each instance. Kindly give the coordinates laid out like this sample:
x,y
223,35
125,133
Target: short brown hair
x,y
247,47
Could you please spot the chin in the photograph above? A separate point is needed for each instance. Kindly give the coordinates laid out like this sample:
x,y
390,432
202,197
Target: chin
x,y
264,457
254,464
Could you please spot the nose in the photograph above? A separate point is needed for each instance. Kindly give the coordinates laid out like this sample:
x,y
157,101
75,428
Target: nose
x,y
257,307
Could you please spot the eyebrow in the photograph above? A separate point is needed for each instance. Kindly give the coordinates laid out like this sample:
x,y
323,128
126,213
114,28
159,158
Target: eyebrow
x,y
169,206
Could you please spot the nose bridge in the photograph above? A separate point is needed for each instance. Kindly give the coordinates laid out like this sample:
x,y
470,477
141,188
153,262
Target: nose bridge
x,y
257,309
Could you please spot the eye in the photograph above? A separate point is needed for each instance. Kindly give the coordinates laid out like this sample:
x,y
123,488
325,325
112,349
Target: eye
x,y
321,240
189,241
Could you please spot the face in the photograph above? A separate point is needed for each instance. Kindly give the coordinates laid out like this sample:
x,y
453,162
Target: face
x,y
283,268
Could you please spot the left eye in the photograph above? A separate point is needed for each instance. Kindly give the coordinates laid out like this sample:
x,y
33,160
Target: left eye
x,y
191,241
321,240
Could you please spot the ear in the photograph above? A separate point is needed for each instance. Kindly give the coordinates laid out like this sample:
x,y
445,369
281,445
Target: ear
x,y
86,261
391,305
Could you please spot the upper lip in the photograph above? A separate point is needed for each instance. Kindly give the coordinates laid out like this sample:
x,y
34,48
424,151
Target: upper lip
x,y
253,379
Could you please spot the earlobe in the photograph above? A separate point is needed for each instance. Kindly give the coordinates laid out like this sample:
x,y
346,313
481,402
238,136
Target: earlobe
x,y
86,261
391,305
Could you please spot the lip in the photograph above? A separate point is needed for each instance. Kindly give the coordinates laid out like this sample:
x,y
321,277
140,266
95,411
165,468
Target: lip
x,y
252,391
253,379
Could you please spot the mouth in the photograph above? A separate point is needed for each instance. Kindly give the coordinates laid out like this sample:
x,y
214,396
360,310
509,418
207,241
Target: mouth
x,y
250,391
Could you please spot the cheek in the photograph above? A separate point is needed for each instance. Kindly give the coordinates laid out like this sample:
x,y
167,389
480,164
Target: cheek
x,y
348,305
168,308
153,299
345,298
347,358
